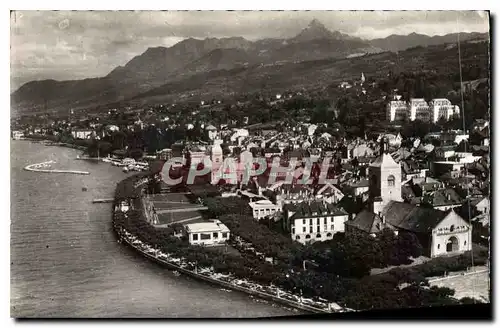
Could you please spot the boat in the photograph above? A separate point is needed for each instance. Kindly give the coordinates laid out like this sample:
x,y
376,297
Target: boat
x,y
125,169
84,188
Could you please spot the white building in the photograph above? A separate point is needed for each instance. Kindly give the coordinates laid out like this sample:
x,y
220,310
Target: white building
x,y
419,110
308,222
442,108
263,208
16,135
397,110
81,133
207,233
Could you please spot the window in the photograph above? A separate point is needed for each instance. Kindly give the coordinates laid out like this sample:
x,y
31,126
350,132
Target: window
x,y
324,221
308,236
205,236
304,221
216,235
331,219
293,231
439,245
465,243
310,229
224,235
452,228
332,228
318,235
317,221
298,237
391,180
318,229
304,229
329,234
195,236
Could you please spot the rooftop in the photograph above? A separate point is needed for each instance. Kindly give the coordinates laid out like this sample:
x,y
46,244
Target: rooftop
x,y
206,227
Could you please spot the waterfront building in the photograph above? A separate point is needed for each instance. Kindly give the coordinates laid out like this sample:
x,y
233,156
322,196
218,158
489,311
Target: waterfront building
x,y
312,221
207,233
82,133
16,135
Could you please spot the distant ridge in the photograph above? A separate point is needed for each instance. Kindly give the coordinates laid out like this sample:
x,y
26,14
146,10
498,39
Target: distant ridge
x,y
159,66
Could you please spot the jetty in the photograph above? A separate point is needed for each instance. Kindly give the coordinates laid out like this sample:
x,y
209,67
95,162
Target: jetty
x,y
42,167
103,200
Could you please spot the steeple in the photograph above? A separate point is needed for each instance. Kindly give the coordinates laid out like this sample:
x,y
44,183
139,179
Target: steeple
x,y
383,146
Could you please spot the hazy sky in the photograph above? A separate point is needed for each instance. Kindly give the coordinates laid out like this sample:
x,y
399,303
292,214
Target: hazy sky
x,y
66,45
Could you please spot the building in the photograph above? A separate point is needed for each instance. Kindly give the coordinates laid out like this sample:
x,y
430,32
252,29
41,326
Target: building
x,y
195,155
442,108
397,110
483,206
439,232
444,199
207,233
16,135
211,131
81,133
264,208
357,187
308,222
418,110
216,157
384,179
164,154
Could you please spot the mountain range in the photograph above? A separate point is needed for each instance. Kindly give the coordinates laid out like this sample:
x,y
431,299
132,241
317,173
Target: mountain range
x,y
194,60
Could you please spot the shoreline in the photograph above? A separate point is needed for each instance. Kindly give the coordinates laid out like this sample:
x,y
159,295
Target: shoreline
x,y
276,295
122,237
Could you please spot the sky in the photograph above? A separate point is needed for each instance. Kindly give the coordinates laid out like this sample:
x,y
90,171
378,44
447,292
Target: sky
x,y
70,45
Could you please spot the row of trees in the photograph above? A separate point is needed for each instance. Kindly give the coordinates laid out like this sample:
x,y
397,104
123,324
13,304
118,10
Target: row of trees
x,y
366,292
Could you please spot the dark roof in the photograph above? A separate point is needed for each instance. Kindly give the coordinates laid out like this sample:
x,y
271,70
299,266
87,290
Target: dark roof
x,y
446,196
306,210
360,184
203,190
367,221
407,192
156,166
412,218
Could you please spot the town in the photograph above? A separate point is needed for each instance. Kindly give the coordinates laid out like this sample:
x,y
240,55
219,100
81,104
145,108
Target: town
x,y
411,190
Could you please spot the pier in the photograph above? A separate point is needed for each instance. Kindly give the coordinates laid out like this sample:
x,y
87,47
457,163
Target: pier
x,y
102,200
40,167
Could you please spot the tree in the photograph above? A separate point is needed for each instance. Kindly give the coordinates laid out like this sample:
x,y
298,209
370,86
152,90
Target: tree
x,y
135,153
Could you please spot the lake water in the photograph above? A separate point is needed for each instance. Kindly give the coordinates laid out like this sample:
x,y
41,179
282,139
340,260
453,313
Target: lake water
x,y
65,261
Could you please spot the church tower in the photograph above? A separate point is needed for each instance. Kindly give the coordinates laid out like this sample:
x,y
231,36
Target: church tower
x,y
385,179
216,156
